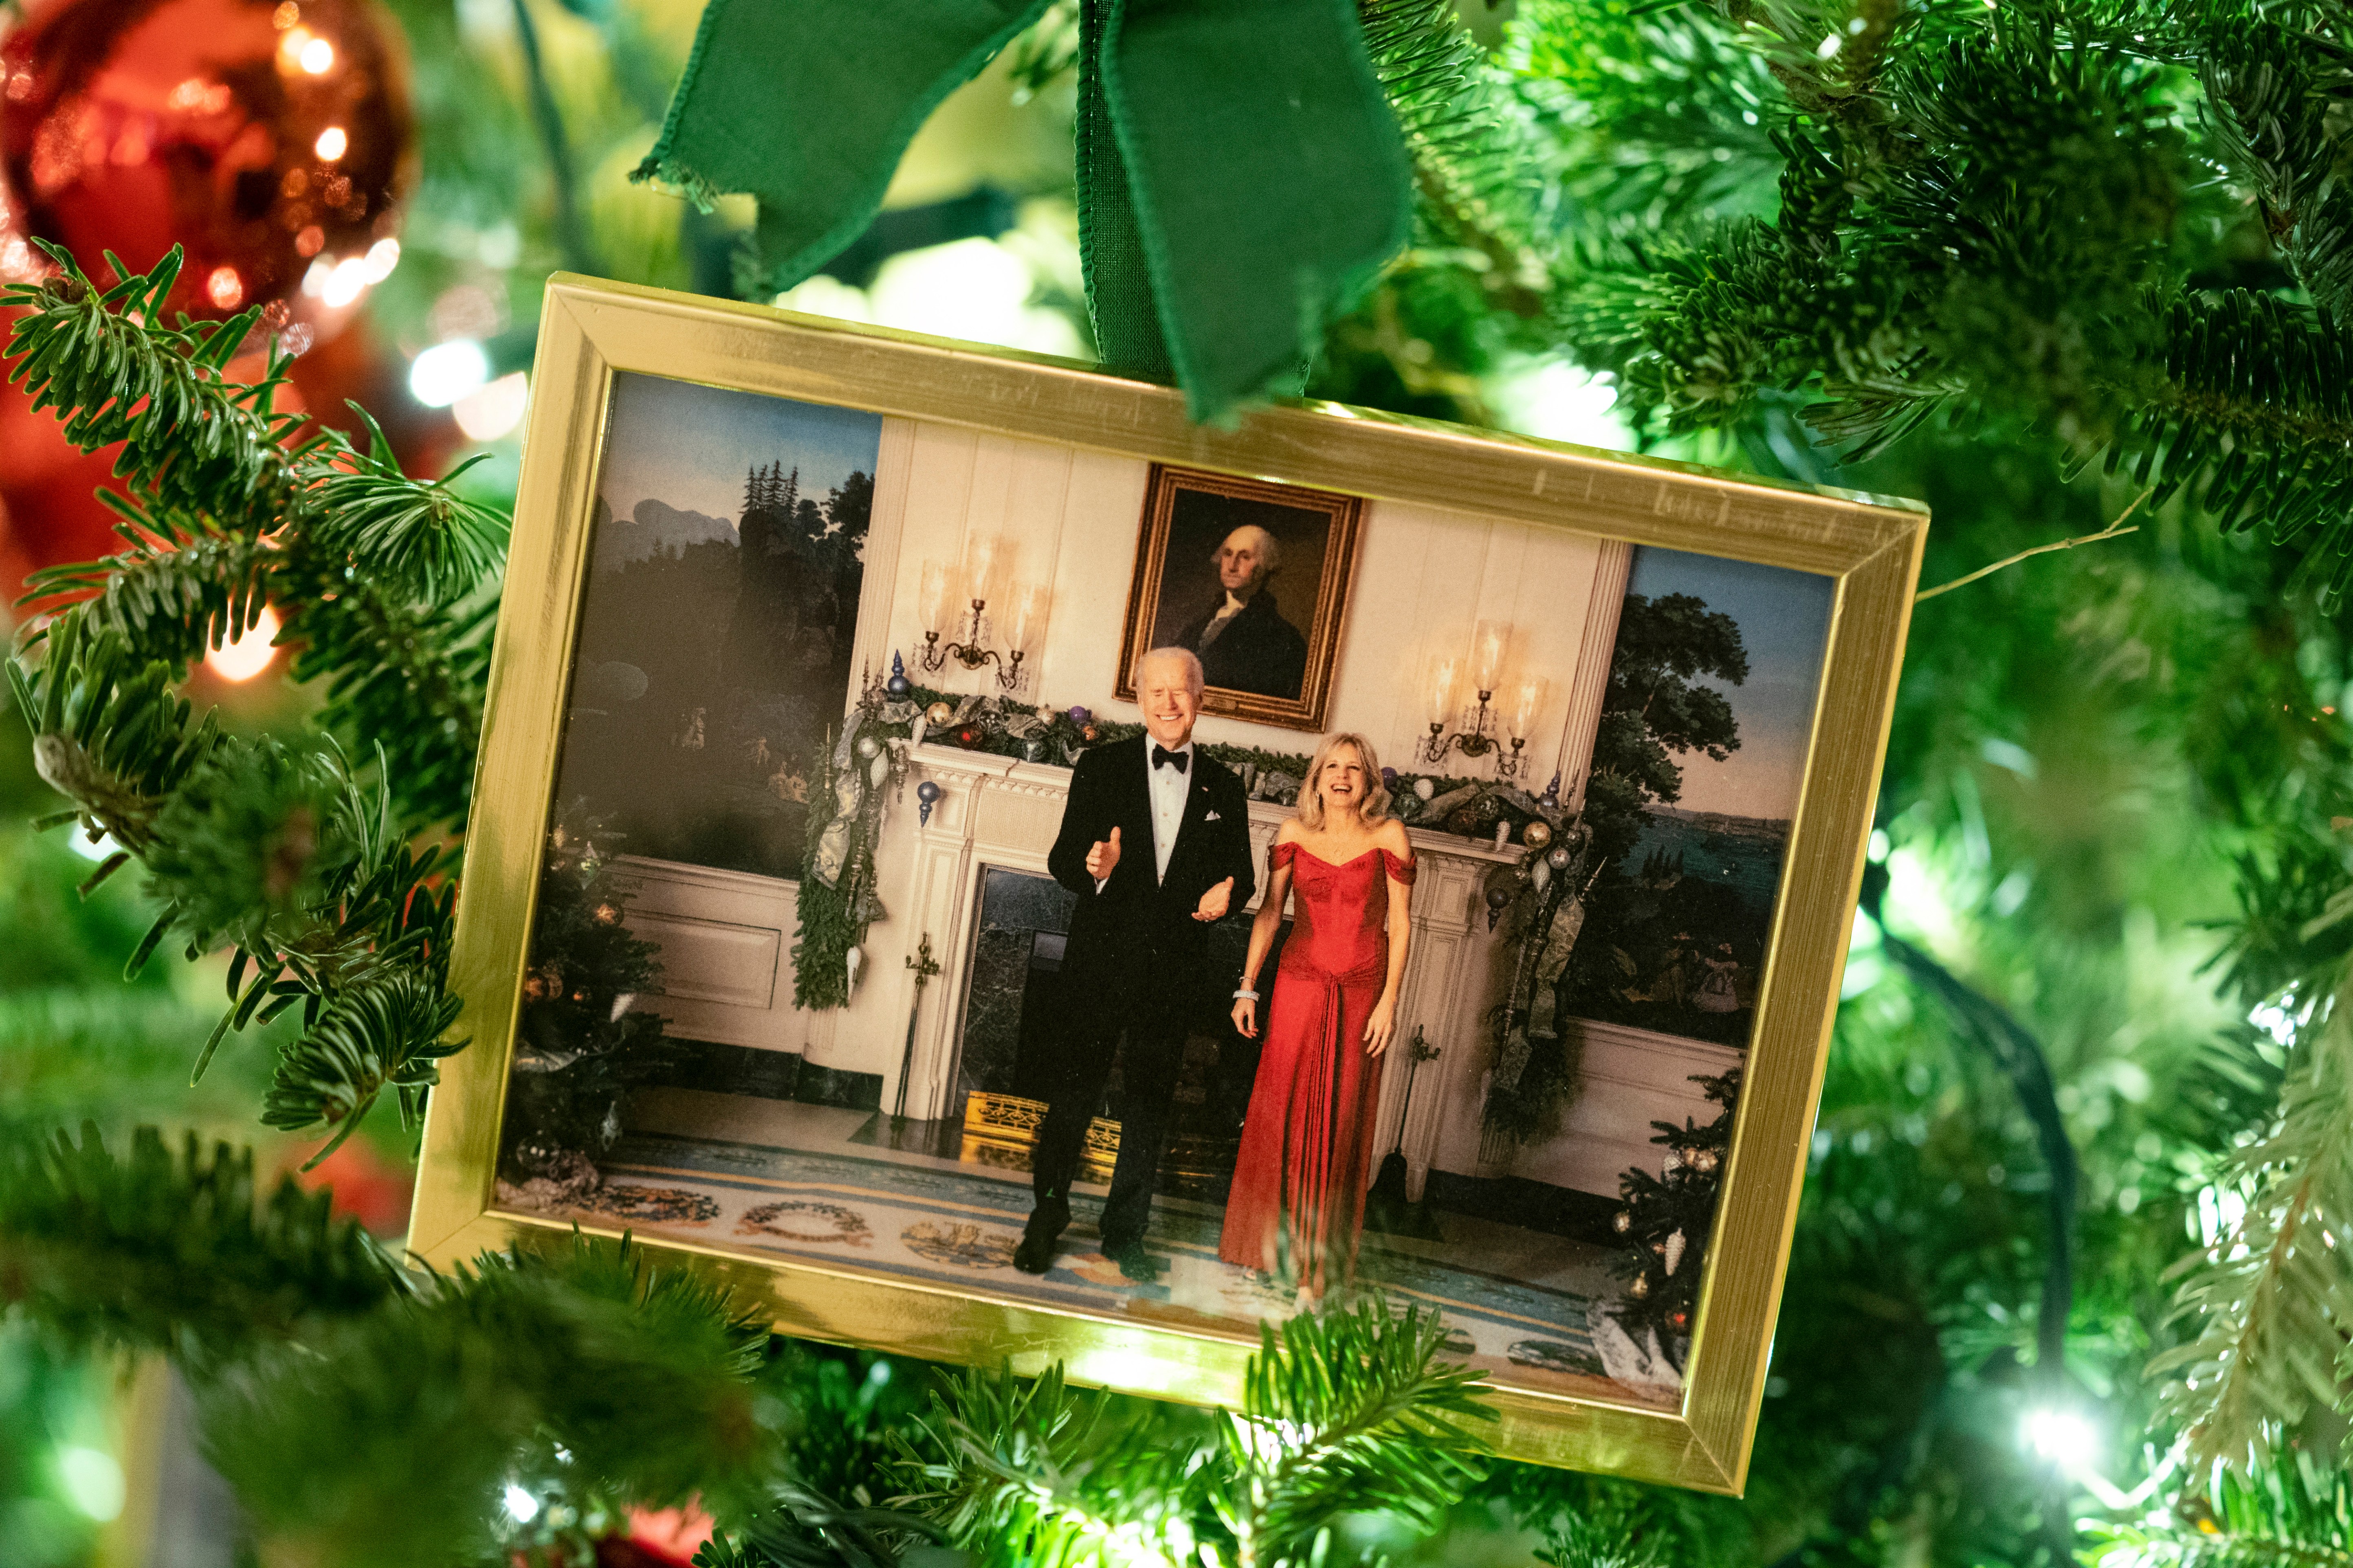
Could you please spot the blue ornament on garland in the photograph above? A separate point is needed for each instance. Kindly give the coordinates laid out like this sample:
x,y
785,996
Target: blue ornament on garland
x,y
927,794
898,685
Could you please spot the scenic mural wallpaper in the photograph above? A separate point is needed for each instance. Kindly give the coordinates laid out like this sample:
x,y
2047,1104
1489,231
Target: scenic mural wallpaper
x,y
1696,774
715,636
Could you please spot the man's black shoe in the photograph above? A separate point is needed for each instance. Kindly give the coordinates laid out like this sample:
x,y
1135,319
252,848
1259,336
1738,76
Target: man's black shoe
x,y
1036,1253
1134,1260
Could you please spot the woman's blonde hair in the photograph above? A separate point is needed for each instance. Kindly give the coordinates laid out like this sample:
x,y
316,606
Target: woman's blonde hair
x,y
1376,794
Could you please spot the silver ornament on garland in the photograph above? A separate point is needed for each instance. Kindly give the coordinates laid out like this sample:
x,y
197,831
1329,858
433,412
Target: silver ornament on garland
x,y
852,963
1622,1221
927,795
1558,857
1675,1250
867,746
1640,1289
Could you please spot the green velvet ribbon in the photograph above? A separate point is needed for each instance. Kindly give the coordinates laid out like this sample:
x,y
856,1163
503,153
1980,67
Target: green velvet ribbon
x,y
1241,176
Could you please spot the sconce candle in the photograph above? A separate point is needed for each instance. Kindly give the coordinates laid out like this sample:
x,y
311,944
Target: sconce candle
x,y
1527,702
985,559
937,595
1445,674
1028,617
1489,644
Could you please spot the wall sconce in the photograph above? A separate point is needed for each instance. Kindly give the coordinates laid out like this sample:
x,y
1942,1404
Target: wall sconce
x,y
946,591
1491,643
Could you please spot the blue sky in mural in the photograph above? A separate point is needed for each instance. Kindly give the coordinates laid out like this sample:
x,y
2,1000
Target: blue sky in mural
x,y
687,446
1784,618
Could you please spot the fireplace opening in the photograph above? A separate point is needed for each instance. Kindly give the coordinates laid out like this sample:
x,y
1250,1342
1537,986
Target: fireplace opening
x,y
1016,998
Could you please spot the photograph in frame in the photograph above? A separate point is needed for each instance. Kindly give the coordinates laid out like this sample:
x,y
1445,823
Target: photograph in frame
x,y
804,980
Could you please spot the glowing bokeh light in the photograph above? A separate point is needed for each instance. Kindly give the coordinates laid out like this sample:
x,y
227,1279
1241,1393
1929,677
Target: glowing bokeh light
x,y
447,372
2059,1437
331,145
346,282
491,411
382,257
249,655
93,1481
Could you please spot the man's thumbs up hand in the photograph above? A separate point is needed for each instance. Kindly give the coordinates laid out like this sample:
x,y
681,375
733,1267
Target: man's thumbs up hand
x,y
1104,857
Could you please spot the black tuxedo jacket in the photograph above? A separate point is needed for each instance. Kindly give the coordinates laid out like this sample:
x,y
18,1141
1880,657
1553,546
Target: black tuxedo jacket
x,y
1259,651
1138,934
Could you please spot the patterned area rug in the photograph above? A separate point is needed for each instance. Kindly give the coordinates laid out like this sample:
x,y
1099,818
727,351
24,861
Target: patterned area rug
x,y
960,1227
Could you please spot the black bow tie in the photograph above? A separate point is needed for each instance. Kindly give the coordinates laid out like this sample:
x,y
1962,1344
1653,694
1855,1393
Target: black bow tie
x,y
1162,755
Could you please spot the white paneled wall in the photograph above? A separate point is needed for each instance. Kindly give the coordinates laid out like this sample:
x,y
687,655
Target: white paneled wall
x,y
1424,577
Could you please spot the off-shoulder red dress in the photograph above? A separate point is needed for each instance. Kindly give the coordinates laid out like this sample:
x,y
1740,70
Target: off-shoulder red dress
x,y
1297,1206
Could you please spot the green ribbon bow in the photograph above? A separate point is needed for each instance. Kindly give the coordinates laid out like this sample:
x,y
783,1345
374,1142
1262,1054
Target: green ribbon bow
x,y
1242,178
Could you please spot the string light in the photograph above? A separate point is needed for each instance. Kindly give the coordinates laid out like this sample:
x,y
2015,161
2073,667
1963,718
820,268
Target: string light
x,y
447,372
249,655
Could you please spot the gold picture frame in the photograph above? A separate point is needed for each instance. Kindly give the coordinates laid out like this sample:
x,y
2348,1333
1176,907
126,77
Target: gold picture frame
x,y
590,331
1154,620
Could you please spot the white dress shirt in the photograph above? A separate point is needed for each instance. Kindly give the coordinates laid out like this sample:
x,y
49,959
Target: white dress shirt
x,y
1169,788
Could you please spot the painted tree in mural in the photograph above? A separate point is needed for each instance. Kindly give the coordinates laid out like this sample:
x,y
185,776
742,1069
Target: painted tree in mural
x,y
1655,710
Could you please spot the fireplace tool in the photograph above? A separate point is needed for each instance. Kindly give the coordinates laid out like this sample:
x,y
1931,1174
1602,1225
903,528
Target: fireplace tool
x,y
1390,1184
924,968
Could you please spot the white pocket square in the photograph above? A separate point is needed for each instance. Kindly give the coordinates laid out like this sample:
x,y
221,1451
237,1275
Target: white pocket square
x,y
1213,816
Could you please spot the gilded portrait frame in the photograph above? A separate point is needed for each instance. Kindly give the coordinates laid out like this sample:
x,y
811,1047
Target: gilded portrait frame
x,y
590,330
1342,514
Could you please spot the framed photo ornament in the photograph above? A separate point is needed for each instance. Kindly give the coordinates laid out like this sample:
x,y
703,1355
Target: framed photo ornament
x,y
819,639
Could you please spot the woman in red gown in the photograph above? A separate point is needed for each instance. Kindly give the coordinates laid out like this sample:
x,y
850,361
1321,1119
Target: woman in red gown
x,y
1297,1206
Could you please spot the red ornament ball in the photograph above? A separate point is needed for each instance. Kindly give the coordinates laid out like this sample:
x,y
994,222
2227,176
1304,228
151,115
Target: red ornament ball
x,y
264,135
970,735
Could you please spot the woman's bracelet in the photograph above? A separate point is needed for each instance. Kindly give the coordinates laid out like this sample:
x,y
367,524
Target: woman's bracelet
x,y
1245,992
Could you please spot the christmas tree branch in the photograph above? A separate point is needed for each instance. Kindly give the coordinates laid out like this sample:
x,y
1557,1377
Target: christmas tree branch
x,y
2269,1301
1994,1029
274,849
147,1250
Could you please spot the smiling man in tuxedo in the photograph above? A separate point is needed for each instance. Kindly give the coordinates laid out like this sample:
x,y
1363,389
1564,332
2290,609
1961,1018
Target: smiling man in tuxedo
x,y
1155,844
